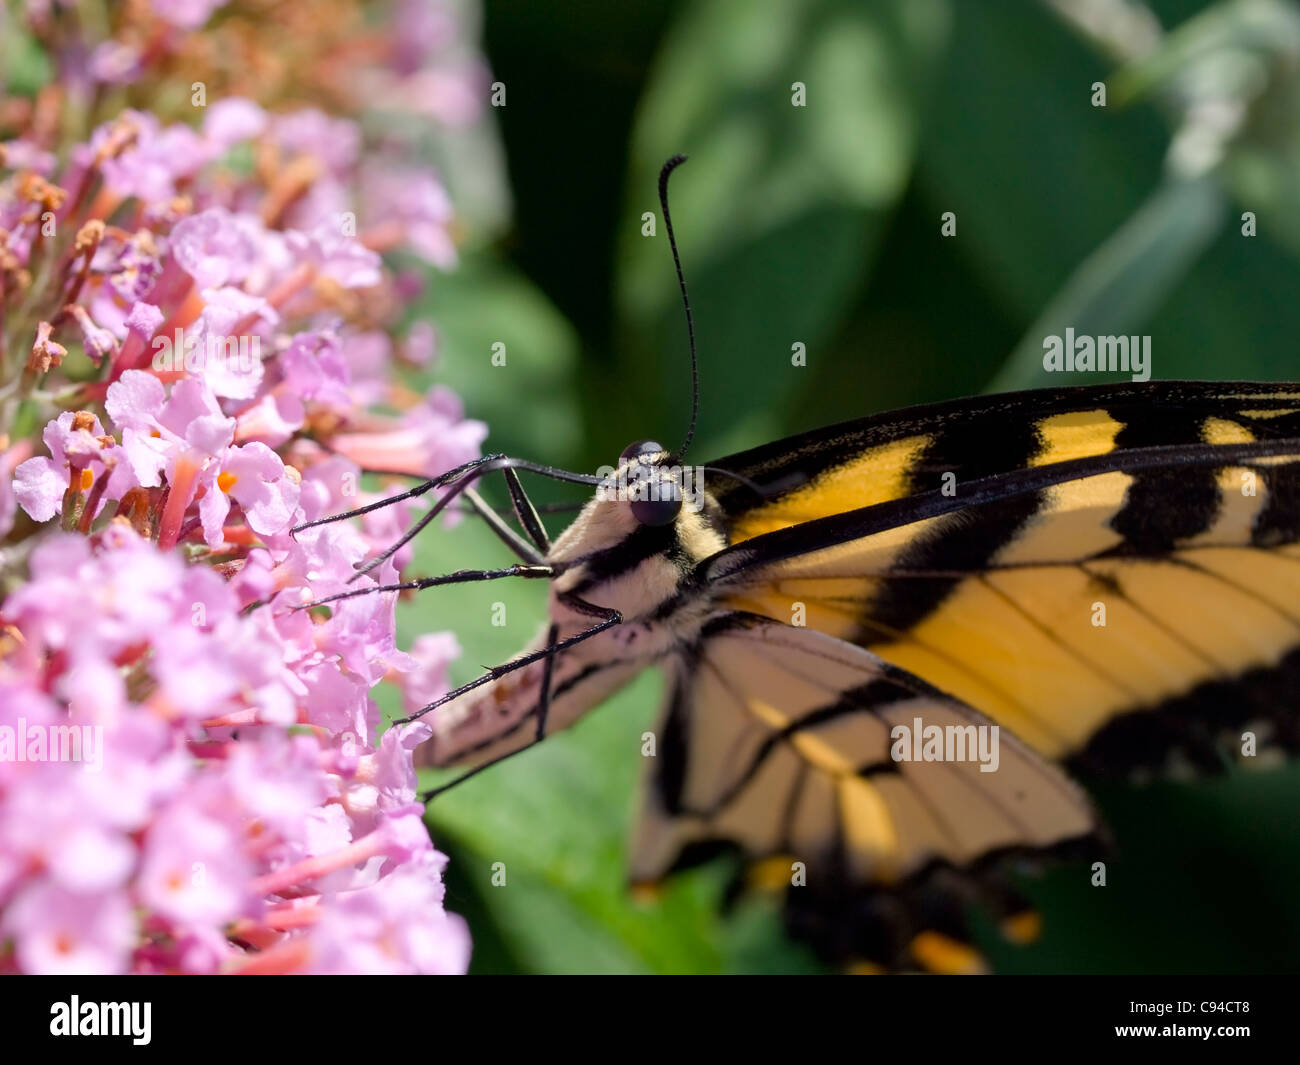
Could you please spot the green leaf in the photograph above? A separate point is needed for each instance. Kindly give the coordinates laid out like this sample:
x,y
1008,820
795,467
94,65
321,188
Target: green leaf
x,y
1209,54
1116,289
24,66
781,207
1037,176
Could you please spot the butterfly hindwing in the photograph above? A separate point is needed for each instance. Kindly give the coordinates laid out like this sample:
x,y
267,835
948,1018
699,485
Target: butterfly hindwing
x,y
780,740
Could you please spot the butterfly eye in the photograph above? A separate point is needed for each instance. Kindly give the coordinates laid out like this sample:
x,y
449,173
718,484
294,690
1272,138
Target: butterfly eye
x,y
658,511
656,497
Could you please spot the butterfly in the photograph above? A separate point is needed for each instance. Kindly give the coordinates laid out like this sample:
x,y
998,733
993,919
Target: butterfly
x,y
893,644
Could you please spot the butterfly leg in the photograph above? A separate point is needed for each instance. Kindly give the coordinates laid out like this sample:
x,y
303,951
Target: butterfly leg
x,y
527,514
610,617
460,576
457,481
532,550
529,520
533,564
528,552
410,493
548,670
543,706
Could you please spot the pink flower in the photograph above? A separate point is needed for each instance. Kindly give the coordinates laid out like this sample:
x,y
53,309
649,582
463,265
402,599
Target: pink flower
x,y
194,871
423,29
336,142
421,344
214,247
232,120
114,63
46,827
417,205
341,258
239,806
98,342
188,437
130,264
337,701
279,782
427,440
178,434
254,476
396,926
94,608
8,501
273,419
452,93
79,448
143,320
24,155
186,14
59,932
150,168
369,358
313,368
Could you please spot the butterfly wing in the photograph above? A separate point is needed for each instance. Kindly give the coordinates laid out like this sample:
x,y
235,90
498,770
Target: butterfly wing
x,y
1114,575
901,453
1109,573
779,739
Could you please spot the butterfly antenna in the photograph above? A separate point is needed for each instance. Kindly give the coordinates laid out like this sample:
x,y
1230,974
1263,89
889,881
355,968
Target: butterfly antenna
x,y
669,167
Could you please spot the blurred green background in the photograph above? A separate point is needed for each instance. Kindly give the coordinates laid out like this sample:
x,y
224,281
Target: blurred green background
x,y
821,225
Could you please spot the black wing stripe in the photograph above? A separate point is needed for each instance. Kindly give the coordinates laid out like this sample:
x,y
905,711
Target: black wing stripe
x,y
1190,723
952,544
1149,525
674,749
916,687
984,446
858,701
792,803
836,529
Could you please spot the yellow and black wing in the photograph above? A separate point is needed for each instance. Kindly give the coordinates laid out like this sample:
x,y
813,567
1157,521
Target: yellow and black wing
x,y
778,739
1111,574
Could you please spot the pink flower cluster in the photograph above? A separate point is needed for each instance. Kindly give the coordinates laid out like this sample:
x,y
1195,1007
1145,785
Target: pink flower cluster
x,y
199,320
227,807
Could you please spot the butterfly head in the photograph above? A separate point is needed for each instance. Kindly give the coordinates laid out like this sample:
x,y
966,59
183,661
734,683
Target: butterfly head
x,y
651,482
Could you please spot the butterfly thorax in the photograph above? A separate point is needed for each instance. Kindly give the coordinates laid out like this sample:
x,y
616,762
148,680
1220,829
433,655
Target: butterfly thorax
x,y
609,559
